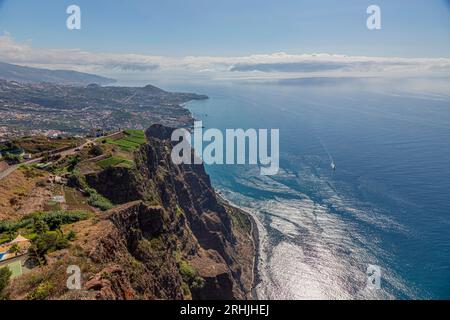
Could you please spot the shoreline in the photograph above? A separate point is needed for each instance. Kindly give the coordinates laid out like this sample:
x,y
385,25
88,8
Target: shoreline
x,y
254,235
254,227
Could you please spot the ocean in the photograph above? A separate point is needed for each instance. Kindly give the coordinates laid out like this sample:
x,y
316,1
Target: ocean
x,y
387,204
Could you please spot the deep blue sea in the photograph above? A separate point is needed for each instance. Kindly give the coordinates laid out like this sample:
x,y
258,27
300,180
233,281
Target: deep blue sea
x,y
387,204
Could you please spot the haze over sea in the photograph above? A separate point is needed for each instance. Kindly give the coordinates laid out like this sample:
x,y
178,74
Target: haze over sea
x,y
387,204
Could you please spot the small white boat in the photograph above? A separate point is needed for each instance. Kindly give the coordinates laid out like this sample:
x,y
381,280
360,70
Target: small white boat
x,y
333,166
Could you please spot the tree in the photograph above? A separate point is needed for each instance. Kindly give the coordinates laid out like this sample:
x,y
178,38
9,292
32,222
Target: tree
x,y
55,223
40,227
11,235
47,242
71,235
5,275
96,151
73,161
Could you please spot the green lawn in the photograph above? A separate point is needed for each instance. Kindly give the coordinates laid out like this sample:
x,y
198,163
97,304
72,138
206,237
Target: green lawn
x,y
136,140
16,269
114,161
127,146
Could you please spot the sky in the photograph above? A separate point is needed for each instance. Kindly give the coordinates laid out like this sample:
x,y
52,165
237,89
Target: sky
x,y
144,35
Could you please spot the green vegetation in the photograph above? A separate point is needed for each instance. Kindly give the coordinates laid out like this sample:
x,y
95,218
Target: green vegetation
x,y
41,292
136,136
95,199
98,201
71,235
14,248
48,236
15,268
39,220
12,153
240,220
39,144
12,158
73,161
31,172
130,141
96,151
135,133
190,275
47,242
114,161
179,212
125,145
191,278
44,229
5,275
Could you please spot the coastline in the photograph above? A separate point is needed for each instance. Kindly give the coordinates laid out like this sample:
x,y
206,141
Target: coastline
x,y
254,233
254,236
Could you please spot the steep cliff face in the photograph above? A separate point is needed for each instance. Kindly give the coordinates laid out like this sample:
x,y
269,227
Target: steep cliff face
x,y
171,237
185,190
118,184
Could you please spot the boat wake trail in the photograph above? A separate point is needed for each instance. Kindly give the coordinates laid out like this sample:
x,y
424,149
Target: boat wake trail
x,y
332,163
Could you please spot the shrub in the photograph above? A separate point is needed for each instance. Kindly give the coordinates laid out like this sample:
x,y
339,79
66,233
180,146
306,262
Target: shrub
x,y
10,226
41,292
96,151
186,270
39,226
98,201
190,275
71,235
73,161
5,275
41,222
48,242
179,212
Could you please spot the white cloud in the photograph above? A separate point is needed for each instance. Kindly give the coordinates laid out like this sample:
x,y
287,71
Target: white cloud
x,y
75,59
277,65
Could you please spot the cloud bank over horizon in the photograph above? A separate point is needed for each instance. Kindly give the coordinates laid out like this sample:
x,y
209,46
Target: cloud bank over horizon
x,y
259,66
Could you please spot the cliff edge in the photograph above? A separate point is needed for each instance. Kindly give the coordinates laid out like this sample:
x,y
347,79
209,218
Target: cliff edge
x,y
169,236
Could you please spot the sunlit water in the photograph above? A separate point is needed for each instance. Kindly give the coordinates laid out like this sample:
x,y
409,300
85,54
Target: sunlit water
x,y
387,204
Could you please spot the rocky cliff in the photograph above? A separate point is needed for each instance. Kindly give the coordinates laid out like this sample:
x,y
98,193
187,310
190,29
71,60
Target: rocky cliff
x,y
170,237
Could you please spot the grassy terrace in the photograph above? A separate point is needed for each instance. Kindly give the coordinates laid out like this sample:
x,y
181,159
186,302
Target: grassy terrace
x,y
115,161
130,141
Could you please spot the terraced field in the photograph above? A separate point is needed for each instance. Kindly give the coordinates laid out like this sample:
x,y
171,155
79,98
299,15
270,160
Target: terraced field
x,y
114,161
130,141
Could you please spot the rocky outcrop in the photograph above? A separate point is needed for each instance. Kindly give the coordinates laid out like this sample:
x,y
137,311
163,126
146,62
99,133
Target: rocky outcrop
x,y
119,184
136,255
171,237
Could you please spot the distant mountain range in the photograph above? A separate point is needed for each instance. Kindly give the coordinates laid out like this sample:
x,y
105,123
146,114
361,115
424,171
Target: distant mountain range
x,y
12,72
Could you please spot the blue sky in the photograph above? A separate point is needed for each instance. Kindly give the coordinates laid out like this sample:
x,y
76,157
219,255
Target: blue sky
x,y
227,39
414,28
